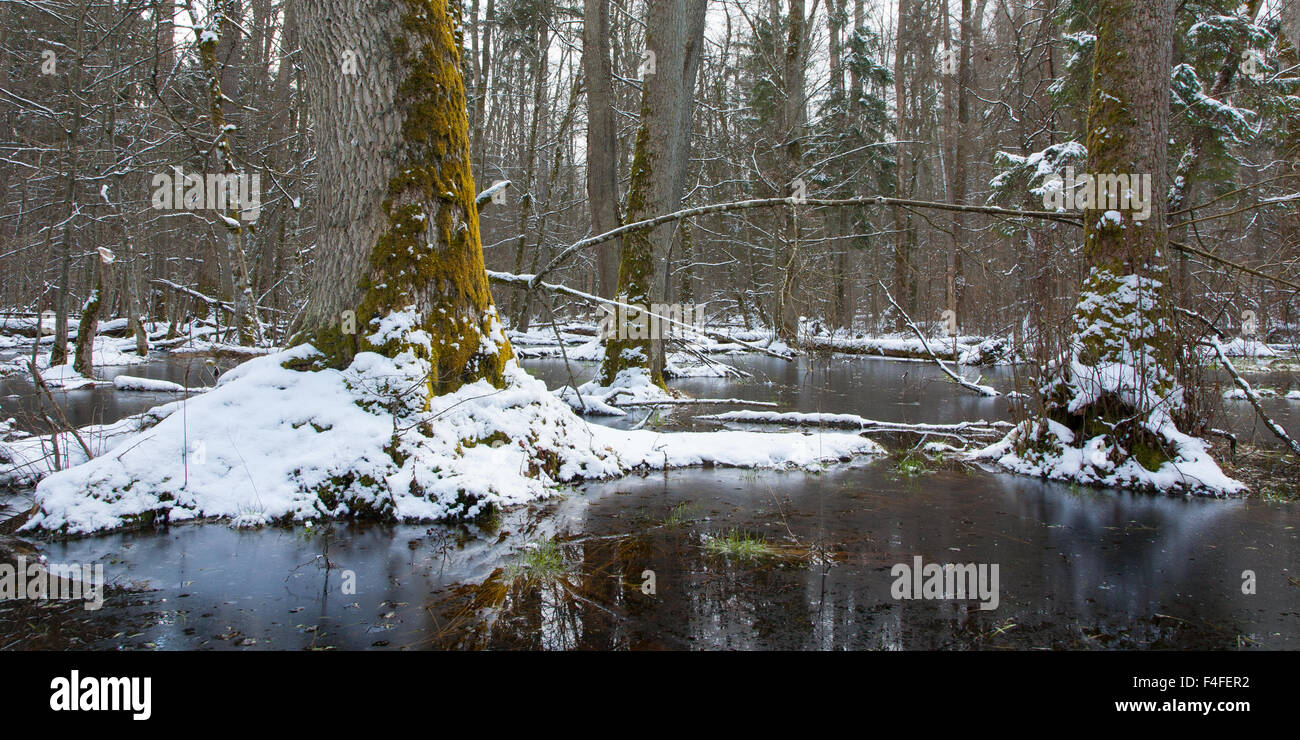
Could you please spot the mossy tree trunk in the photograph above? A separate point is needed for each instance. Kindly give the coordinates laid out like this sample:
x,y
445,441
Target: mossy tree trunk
x,y
399,230
83,356
1122,322
674,31
210,39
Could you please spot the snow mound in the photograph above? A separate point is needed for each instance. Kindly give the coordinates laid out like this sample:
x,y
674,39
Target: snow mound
x,y
1239,347
631,385
273,444
63,376
590,350
1047,449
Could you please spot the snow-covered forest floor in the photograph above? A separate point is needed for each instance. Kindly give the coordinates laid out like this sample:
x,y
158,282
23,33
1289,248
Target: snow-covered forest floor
x,y
268,444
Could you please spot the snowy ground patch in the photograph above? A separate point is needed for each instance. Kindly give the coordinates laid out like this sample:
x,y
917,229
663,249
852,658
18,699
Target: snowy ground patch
x,y
1048,449
1239,347
631,386
282,445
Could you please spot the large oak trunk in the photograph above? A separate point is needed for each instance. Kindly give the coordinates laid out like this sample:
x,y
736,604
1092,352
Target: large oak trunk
x,y
1121,378
399,236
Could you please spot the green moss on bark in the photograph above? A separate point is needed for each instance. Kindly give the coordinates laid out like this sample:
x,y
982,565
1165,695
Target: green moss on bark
x,y
635,270
429,256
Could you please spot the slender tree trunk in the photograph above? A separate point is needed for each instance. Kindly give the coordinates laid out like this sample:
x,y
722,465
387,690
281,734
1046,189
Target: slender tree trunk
x,y
902,223
220,84
961,153
793,116
541,63
602,140
660,141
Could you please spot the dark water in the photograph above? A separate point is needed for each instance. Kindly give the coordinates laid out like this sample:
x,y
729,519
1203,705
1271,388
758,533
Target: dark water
x,y
102,404
1078,568
914,392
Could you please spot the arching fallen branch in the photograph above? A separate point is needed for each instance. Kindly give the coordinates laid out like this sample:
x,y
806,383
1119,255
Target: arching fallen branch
x,y
224,305
696,402
986,429
739,205
1229,263
530,282
1060,217
983,390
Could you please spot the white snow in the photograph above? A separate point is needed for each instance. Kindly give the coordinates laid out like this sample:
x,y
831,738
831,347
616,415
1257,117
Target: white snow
x,y
26,458
280,444
1047,449
133,383
630,385
1240,347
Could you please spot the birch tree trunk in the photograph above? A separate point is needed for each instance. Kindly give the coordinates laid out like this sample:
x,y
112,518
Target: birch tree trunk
x,y
398,232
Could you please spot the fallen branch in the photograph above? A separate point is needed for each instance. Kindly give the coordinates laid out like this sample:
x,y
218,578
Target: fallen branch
x,y
45,389
1234,265
872,200
991,429
692,401
1067,218
529,282
1252,396
229,307
983,390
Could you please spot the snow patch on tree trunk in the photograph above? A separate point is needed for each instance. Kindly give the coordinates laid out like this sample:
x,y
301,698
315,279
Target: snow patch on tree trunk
x,y
1112,401
1048,449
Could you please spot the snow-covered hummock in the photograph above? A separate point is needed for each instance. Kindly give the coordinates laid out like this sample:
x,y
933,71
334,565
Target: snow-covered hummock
x,y
1240,347
280,444
592,350
632,384
65,377
1047,449
1117,321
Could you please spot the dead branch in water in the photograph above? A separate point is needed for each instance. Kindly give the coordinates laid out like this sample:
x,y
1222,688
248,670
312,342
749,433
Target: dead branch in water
x,y
1252,396
983,390
45,389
